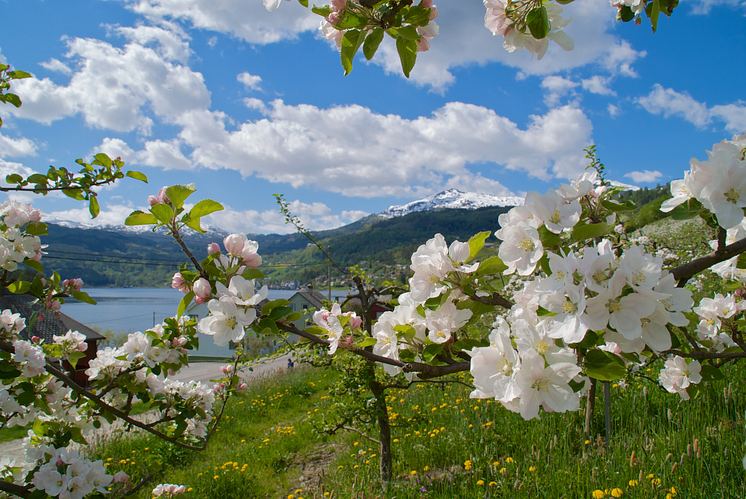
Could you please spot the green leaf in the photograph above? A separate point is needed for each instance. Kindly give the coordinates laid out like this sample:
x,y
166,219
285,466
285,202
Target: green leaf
x,y
205,207
76,194
280,313
177,194
548,238
315,330
350,43
654,14
710,373
407,50
194,224
93,207
367,342
537,21
564,2
74,357
36,229
323,11
686,210
468,344
102,159
83,296
13,99
163,212
588,341
625,14
18,74
407,355
589,231
476,243
372,41
140,218
604,366
14,373
417,15
33,264
281,302
431,351
295,316
352,21
267,323
38,178
184,303
19,287
492,266
252,274
617,207
137,176
304,3
13,178
408,33
406,330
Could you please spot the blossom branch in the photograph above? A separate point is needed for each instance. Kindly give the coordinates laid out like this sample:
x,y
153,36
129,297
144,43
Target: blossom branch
x,y
683,273
17,490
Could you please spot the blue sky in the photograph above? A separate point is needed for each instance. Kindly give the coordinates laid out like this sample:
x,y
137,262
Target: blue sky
x,y
246,103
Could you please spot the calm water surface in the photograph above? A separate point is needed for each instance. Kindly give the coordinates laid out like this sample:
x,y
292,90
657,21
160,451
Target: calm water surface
x,y
137,309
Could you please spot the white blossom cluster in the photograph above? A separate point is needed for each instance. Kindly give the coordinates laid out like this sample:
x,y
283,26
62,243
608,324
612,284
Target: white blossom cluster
x,y
168,490
67,475
233,311
15,244
711,311
719,183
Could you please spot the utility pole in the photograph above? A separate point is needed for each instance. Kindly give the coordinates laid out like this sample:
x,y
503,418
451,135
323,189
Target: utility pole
x,y
329,271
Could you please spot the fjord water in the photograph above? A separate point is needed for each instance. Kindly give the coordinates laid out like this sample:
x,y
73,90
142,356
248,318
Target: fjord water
x,y
137,309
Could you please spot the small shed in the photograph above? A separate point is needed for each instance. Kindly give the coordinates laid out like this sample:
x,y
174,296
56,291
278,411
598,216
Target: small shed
x,y
49,326
306,302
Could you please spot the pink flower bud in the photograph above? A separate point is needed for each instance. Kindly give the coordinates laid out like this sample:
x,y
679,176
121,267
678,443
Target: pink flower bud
x,y
36,257
349,341
243,386
78,283
199,300
355,322
202,288
35,339
55,305
234,244
153,200
82,346
213,248
121,477
226,369
252,260
162,195
426,4
178,282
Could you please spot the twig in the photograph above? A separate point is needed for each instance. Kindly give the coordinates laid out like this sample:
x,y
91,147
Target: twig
x,y
683,273
139,485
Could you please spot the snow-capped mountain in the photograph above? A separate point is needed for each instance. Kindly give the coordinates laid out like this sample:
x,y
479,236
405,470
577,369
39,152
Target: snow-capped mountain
x,y
454,199
211,232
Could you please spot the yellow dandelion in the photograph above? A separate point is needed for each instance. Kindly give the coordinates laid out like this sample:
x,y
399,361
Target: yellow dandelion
x,y
298,491
291,496
503,471
598,494
480,482
413,472
396,440
617,492
508,460
532,468
496,463
656,482
492,484
426,468
215,477
634,483
190,489
650,476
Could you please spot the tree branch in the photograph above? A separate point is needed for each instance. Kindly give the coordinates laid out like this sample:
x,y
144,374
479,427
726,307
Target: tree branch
x,y
14,489
684,272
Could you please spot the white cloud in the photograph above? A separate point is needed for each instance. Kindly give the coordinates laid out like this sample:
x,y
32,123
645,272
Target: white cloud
x,y
734,116
613,110
114,87
166,154
115,148
463,39
620,57
354,151
314,216
212,41
557,87
705,6
669,102
248,20
56,66
169,41
14,148
8,167
643,177
251,82
598,85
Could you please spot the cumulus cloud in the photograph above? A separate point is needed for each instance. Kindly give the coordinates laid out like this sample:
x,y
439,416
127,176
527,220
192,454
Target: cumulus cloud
x,y
557,87
57,66
357,152
620,57
14,148
613,110
8,167
644,177
598,85
114,87
705,6
248,20
669,102
314,216
251,82
463,39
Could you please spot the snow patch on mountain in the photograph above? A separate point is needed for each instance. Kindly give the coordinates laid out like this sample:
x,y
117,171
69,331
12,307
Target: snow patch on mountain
x,y
452,199
215,233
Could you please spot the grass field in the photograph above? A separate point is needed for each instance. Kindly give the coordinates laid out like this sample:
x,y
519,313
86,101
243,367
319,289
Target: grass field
x,y
448,446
